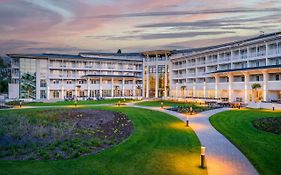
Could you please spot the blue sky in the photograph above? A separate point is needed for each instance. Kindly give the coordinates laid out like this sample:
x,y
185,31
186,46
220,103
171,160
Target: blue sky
x,y
70,26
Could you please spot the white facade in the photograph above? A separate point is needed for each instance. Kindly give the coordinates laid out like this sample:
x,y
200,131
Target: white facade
x,y
224,72
228,71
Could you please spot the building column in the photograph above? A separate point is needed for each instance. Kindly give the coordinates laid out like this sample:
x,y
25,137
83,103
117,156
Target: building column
x,y
62,92
230,93
204,89
76,91
156,81
265,86
177,90
165,80
123,87
194,89
88,87
134,87
100,87
48,92
246,87
147,82
112,87
217,86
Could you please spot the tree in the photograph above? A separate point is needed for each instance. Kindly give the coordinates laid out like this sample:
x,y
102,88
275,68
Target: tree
x,y
255,89
119,51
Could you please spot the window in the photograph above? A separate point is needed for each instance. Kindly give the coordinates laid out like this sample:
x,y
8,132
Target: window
x,y
56,82
56,94
257,78
243,79
43,94
43,83
277,77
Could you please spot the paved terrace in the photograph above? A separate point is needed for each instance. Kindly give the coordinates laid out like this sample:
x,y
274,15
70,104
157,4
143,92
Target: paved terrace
x,y
222,157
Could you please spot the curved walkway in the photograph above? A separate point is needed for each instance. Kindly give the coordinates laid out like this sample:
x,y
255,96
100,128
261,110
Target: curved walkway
x,y
222,157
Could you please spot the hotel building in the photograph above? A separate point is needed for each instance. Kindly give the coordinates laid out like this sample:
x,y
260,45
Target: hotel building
x,y
222,72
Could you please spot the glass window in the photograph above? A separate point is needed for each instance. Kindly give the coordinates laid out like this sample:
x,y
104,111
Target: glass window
x,y
43,83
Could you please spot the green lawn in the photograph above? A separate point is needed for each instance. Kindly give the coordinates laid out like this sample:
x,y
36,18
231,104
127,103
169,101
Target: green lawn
x,y
160,144
82,102
263,149
157,103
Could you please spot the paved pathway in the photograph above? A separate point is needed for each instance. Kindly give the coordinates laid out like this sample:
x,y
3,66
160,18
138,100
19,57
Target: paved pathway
x,y
222,157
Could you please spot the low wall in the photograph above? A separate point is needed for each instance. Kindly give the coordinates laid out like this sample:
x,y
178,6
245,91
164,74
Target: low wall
x,y
277,106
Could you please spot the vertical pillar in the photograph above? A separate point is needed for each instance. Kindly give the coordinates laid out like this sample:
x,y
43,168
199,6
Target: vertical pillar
x,y
217,86
100,87
156,80
147,82
76,92
123,87
88,87
48,92
165,79
134,87
194,89
112,87
265,86
230,93
204,89
246,87
177,89
62,91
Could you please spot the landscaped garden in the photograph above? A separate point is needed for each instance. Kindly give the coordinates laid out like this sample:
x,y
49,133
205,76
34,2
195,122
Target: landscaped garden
x,y
181,107
68,103
256,133
159,143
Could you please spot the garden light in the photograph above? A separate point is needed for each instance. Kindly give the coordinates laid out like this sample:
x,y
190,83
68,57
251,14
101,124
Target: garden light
x,y
273,107
162,105
203,151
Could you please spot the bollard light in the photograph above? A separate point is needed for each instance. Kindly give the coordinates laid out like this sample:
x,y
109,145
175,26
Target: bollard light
x,y
187,120
119,103
203,151
162,105
273,107
20,104
190,110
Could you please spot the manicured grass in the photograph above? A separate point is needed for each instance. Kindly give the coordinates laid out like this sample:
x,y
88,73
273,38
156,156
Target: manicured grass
x,y
82,102
157,103
262,148
160,144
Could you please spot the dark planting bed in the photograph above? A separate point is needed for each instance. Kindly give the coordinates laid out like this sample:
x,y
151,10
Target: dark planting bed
x,y
271,124
60,134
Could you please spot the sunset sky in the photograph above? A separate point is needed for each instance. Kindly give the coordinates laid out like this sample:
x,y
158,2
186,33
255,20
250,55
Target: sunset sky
x,y
70,26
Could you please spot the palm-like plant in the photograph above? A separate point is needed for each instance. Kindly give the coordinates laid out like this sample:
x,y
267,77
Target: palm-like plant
x,y
255,88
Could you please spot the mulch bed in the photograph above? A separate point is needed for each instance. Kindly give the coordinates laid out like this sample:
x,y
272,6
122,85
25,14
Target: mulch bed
x,y
271,124
61,134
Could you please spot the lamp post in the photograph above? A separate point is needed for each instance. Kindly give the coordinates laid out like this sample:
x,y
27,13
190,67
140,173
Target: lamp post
x,y
75,103
187,120
190,110
203,151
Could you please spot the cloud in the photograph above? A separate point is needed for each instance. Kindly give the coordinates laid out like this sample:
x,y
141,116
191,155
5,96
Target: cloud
x,y
161,35
190,12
